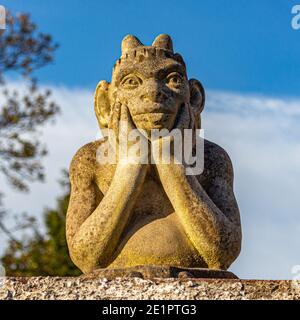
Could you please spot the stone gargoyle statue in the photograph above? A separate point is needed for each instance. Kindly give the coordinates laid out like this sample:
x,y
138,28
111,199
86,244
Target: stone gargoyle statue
x,y
126,214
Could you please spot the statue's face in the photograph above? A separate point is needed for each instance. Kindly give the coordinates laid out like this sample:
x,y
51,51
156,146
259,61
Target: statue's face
x,y
154,89
152,82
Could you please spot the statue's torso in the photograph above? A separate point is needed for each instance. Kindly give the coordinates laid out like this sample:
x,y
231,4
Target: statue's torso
x,y
154,235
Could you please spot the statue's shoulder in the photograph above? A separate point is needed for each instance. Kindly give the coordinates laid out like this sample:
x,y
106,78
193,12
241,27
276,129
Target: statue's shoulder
x,y
217,162
84,159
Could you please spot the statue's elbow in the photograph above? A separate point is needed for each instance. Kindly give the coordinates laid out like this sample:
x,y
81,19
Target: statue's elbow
x,y
86,258
236,244
82,261
222,260
225,254
80,257
232,255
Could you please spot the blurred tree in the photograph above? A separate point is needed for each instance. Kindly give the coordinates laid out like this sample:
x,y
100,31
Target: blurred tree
x,y
40,255
24,108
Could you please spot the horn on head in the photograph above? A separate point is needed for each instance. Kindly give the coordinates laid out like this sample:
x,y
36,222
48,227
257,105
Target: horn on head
x,y
130,42
163,41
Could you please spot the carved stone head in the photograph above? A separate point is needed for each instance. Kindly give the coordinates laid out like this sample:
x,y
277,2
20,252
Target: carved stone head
x,y
152,82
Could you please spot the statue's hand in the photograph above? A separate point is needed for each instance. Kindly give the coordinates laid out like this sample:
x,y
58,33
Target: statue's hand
x,y
164,146
126,135
184,119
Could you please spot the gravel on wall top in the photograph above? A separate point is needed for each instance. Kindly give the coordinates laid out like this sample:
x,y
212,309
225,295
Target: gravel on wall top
x,y
49,288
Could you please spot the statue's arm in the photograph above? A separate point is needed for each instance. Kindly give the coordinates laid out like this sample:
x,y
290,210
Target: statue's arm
x,y
94,225
211,221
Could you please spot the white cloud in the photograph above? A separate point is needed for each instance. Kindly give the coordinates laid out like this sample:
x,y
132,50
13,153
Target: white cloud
x,y
262,137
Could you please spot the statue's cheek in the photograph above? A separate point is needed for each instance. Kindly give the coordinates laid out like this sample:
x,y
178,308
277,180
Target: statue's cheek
x,y
182,94
126,96
133,107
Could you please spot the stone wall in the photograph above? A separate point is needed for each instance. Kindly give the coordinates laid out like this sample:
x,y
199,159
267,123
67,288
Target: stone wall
x,y
136,288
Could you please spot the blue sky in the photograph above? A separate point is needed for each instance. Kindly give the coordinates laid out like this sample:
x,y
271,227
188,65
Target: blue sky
x,y
240,45
245,53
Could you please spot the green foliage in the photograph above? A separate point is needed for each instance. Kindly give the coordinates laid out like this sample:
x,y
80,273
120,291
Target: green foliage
x,y
24,109
39,255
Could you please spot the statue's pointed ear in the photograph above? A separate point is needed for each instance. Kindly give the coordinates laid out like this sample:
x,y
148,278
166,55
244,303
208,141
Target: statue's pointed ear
x,y
102,103
197,98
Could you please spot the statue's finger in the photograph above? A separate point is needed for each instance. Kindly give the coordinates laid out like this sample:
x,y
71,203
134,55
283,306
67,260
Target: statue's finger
x,y
126,116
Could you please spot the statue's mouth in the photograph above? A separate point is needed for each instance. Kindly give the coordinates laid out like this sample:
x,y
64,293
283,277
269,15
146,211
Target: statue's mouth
x,y
153,120
155,108
155,115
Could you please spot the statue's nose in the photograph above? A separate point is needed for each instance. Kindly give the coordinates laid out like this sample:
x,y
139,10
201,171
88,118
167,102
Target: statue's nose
x,y
154,93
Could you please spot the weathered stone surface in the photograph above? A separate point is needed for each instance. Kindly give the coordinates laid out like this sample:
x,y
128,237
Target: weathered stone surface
x,y
46,288
124,214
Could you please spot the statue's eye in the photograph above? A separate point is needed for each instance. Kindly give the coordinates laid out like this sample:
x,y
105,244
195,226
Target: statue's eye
x,y
174,79
130,82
